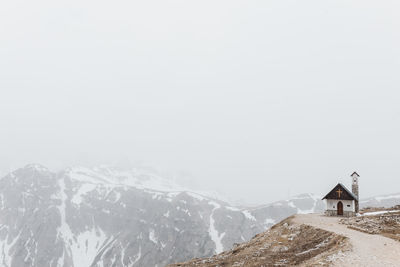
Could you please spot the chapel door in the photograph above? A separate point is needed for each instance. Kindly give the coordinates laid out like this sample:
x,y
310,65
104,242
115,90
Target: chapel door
x,y
340,208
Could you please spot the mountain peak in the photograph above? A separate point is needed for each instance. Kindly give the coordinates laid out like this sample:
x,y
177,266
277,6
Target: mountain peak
x,y
36,167
31,168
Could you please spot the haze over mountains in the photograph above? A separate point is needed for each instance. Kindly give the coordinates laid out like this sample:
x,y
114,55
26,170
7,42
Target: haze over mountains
x,y
110,217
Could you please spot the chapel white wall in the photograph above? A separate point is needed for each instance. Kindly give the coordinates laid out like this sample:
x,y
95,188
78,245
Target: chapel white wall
x,y
331,204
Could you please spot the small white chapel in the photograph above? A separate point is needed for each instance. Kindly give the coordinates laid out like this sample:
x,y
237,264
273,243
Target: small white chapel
x,y
342,202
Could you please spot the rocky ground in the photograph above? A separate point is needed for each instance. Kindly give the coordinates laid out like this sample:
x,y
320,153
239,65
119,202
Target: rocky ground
x,y
386,224
285,244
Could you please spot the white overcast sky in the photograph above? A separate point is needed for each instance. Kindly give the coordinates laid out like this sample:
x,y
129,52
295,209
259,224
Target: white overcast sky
x,y
256,99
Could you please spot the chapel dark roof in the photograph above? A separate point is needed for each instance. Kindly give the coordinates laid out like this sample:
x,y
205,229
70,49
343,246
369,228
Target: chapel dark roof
x,y
348,196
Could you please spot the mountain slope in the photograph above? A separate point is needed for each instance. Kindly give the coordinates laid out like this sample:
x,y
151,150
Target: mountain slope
x,y
82,217
385,201
108,217
285,244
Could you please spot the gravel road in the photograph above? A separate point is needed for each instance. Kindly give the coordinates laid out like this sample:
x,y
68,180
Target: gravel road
x,y
367,250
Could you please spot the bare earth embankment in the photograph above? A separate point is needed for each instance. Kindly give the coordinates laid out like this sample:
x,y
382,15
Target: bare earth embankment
x,y
285,244
317,240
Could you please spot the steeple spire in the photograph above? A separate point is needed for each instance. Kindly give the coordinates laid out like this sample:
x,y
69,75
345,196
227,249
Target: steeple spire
x,y
354,189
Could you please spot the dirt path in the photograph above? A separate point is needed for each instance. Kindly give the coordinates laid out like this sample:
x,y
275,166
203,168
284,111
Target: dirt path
x,y
367,250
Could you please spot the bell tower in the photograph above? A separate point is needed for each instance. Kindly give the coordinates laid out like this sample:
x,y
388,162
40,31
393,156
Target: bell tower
x,y
354,188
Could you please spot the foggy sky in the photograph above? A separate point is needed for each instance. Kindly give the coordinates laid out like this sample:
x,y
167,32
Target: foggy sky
x,y
256,99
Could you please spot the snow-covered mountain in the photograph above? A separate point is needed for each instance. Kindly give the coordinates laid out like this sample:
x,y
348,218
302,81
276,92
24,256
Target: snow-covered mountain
x,y
385,201
108,217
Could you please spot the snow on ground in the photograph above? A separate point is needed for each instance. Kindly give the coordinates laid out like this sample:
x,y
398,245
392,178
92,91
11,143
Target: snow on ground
x,y
315,198
64,230
232,208
137,257
37,167
6,245
374,201
135,178
82,191
379,212
306,196
269,221
86,246
152,236
249,215
387,197
138,178
312,210
196,196
108,245
216,237
92,239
